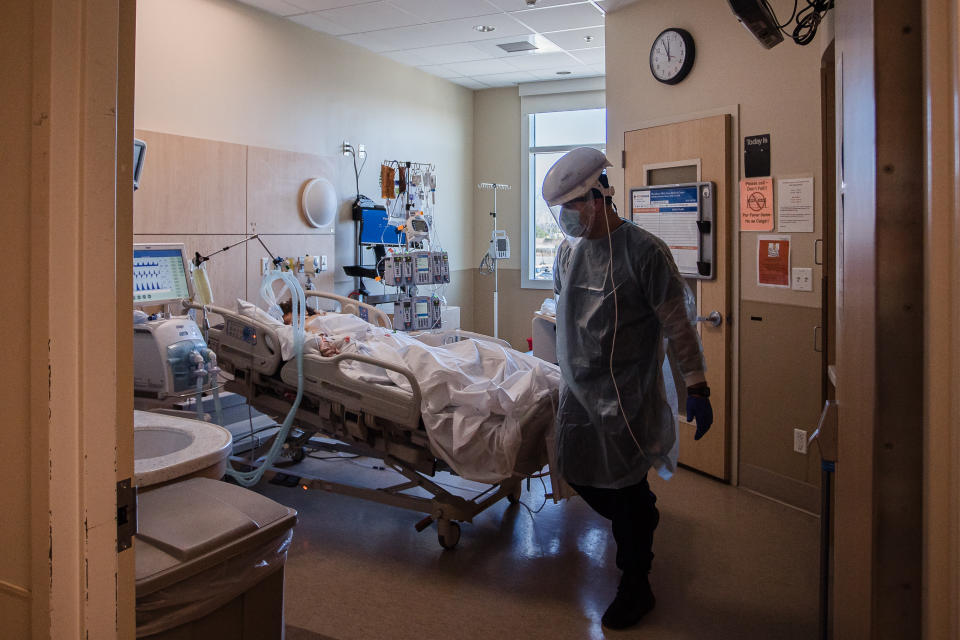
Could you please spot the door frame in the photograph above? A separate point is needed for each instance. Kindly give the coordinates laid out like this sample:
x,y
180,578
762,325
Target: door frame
x,y
81,212
734,375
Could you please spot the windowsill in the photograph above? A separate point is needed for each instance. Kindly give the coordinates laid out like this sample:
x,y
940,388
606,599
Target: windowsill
x,y
546,285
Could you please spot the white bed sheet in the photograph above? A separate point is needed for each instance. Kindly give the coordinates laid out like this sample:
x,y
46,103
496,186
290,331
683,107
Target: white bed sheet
x,y
474,392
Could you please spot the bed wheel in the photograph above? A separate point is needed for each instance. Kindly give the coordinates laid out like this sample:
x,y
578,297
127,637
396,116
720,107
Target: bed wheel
x,y
514,496
448,533
299,453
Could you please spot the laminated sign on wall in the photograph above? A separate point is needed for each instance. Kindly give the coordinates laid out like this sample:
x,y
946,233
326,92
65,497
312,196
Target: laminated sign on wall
x,y
773,261
682,216
756,204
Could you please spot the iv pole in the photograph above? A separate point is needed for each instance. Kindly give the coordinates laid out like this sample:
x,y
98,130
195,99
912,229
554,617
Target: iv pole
x,y
491,259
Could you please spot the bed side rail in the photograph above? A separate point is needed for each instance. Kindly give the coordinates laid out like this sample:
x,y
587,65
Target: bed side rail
x,y
355,307
243,342
325,376
446,336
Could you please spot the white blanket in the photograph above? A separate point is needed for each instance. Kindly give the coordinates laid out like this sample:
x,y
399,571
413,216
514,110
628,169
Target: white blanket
x,y
474,392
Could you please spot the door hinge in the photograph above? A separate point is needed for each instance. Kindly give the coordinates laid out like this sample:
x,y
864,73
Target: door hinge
x,y
126,514
623,159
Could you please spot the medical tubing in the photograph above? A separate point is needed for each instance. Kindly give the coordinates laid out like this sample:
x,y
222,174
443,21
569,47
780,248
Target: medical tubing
x,y
298,313
213,370
199,372
613,343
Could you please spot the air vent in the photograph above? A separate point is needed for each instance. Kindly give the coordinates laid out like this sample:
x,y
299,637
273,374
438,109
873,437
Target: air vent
x,y
513,47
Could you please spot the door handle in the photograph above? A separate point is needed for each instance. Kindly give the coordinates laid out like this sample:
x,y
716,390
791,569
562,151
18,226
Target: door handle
x,y
714,318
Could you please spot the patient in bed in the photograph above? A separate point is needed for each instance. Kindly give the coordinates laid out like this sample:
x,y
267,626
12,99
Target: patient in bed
x,y
326,345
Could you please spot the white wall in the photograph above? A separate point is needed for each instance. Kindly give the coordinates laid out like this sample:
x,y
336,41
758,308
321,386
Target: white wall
x,y
222,70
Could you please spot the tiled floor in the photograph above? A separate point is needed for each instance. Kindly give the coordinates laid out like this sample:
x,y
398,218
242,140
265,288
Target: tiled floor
x,y
729,564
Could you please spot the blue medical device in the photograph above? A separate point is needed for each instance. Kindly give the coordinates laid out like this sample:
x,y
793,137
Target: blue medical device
x,y
375,228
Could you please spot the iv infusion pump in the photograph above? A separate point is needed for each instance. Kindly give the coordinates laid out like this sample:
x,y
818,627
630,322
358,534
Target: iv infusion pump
x,y
499,245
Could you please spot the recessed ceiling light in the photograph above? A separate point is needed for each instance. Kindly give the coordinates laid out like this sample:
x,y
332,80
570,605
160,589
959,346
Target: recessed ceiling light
x,y
588,38
483,28
564,73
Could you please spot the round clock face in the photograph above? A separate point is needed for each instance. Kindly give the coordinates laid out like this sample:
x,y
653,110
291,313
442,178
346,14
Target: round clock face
x,y
671,56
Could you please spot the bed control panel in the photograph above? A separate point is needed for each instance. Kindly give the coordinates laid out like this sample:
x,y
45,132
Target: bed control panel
x,y
241,332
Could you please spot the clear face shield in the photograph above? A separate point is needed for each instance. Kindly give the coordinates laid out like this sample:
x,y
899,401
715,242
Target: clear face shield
x,y
581,217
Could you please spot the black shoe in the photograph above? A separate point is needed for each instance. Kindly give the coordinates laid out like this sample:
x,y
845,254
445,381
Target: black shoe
x,y
634,600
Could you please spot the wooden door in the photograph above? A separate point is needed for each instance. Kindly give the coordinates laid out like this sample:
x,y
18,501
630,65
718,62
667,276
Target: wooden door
x,y
674,153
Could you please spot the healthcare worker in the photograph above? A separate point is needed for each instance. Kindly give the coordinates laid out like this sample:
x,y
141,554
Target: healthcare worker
x,y
620,297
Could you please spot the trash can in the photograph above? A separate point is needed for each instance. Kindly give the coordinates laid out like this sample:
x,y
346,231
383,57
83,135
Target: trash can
x,y
209,562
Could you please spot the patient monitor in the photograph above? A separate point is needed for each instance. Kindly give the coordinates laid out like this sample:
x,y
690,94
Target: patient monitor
x,y
169,353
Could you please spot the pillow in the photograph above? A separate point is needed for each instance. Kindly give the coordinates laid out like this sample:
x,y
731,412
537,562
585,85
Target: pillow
x,y
251,310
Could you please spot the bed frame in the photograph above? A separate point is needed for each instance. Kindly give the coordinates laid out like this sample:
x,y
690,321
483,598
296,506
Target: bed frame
x,y
369,419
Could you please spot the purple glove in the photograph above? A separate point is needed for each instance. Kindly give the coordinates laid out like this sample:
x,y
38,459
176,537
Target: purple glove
x,y
699,407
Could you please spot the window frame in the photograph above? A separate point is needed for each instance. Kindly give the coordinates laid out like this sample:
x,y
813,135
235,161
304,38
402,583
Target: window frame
x,y
544,104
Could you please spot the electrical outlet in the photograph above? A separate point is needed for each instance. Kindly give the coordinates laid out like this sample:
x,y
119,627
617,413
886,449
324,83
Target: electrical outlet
x,y
799,441
323,263
264,266
803,279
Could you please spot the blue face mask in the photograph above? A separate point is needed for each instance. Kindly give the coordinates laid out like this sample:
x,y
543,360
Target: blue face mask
x,y
570,222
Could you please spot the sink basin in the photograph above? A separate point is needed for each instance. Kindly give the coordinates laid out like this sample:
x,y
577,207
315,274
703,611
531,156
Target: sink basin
x,y
168,448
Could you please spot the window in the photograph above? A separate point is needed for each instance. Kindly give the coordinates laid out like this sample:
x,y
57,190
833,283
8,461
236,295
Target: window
x,y
550,135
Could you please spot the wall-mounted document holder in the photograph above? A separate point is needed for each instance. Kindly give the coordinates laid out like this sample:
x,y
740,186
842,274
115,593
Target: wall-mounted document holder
x,y
683,216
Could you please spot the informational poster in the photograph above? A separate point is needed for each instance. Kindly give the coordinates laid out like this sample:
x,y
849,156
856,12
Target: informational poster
x,y
773,261
756,204
671,215
795,205
756,156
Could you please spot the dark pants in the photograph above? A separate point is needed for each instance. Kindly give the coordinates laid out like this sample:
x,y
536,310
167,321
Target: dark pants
x,y
634,515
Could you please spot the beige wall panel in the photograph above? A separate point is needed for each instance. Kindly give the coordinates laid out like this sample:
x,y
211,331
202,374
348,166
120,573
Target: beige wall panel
x,y
289,246
190,185
275,181
227,271
516,306
779,391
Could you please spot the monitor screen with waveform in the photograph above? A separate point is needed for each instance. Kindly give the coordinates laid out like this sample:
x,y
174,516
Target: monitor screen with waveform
x,y
159,274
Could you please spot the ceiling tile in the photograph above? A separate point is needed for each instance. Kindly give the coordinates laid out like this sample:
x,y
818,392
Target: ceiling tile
x,y
276,7
571,16
506,79
518,5
369,17
470,83
543,61
440,33
436,10
490,47
323,5
406,57
439,70
448,53
590,56
482,67
576,71
315,22
576,38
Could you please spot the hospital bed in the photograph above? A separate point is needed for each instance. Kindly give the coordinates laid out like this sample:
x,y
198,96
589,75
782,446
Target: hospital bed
x,y
372,419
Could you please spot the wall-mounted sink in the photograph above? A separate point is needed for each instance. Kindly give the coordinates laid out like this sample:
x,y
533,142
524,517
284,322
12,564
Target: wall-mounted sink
x,y
168,448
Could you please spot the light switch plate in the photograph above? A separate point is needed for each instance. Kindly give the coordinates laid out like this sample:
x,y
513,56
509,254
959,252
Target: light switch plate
x,y
803,279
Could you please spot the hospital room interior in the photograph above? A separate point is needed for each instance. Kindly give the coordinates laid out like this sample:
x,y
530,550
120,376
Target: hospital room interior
x,y
381,381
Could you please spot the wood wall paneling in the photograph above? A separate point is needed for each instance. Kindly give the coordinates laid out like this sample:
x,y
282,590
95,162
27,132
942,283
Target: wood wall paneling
x,y
288,246
275,182
190,186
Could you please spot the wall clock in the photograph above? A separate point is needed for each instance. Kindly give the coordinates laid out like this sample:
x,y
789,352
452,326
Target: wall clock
x,y
671,56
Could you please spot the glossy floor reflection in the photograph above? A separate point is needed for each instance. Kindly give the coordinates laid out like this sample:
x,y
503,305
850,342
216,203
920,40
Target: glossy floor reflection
x,y
729,564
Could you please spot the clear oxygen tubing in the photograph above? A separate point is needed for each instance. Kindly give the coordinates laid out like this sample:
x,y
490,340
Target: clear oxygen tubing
x,y
200,373
298,308
213,372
